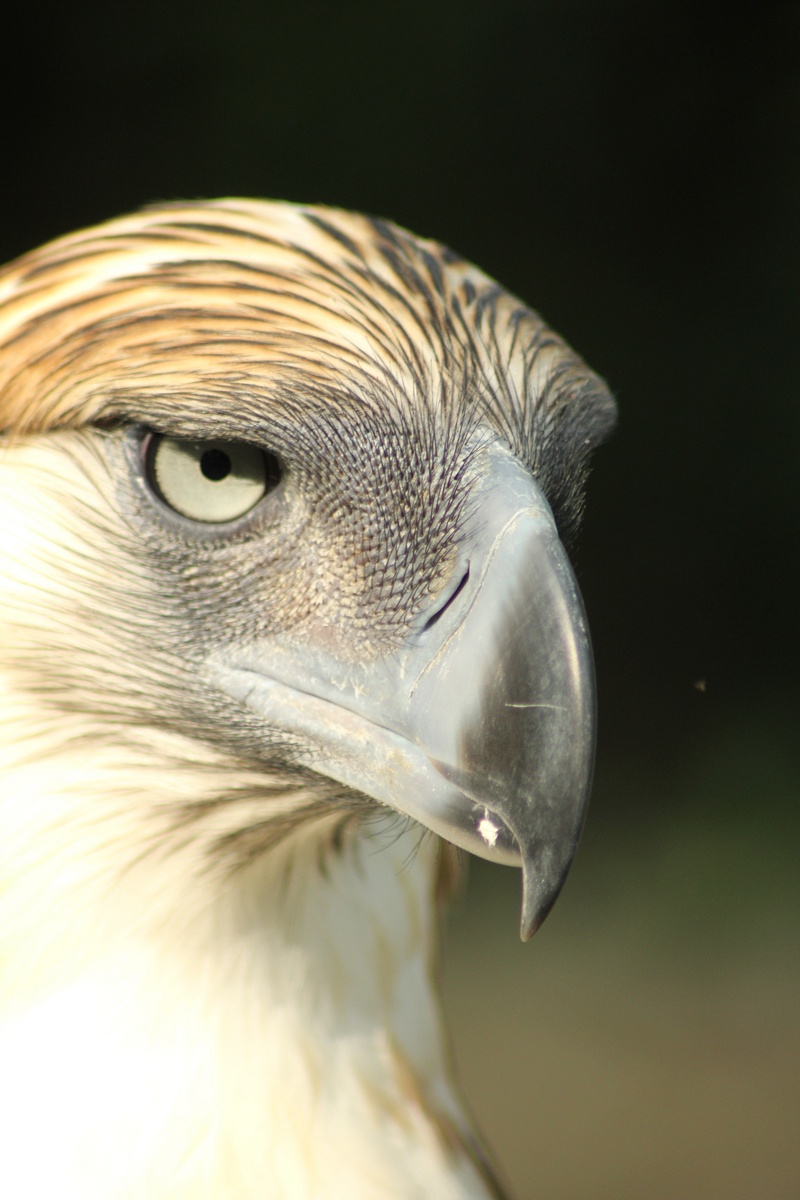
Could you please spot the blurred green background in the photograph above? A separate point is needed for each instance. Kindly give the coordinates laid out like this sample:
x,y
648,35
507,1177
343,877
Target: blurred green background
x,y
633,171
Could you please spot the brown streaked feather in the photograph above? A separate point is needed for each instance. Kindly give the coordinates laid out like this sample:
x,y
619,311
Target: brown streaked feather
x,y
235,285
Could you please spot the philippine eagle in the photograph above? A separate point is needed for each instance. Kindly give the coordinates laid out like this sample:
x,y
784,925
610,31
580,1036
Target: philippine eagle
x,y
286,616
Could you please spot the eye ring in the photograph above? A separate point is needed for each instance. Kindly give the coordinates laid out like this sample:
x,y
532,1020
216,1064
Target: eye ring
x,y
209,480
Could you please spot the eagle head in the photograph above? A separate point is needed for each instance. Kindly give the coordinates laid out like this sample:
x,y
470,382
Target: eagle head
x,y
286,495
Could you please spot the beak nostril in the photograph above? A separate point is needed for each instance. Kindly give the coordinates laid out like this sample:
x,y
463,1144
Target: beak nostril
x,y
448,601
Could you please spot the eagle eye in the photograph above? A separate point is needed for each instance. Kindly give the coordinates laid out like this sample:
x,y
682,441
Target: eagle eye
x,y
210,481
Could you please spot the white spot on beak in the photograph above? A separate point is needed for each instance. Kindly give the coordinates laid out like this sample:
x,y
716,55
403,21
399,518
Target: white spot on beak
x,y
488,830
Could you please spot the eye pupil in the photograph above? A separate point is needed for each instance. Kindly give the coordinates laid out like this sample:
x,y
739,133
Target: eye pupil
x,y
215,465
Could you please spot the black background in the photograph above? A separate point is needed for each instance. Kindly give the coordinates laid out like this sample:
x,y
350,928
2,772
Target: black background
x,y
630,169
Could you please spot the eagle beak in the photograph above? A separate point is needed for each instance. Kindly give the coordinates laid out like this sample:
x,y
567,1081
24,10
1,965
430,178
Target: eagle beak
x,y
507,704
482,726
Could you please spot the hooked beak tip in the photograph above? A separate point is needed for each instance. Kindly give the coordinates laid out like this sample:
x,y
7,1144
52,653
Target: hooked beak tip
x,y
540,890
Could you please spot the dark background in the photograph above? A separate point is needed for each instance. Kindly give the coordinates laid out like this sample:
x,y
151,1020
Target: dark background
x,y
633,171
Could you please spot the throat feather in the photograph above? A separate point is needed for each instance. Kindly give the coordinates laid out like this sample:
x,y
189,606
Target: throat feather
x,y
278,1025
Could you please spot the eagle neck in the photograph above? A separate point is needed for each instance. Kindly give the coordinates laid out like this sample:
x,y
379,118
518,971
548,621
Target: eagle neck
x,y
278,1028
